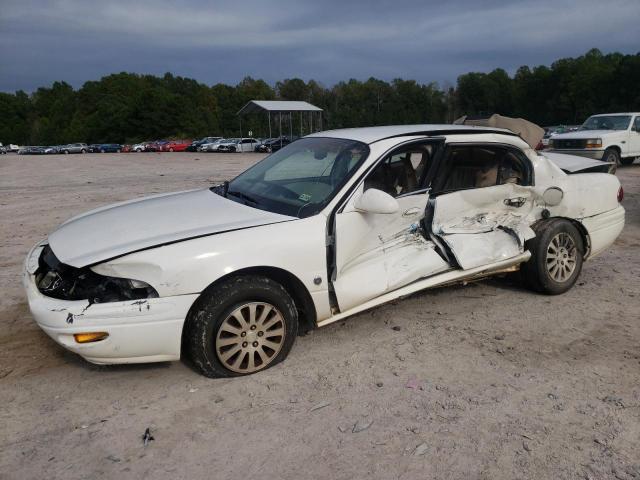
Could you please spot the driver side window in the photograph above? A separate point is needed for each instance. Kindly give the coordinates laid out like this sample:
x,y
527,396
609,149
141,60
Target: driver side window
x,y
401,172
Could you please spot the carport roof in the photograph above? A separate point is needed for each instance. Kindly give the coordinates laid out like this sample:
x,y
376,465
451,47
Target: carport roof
x,y
277,106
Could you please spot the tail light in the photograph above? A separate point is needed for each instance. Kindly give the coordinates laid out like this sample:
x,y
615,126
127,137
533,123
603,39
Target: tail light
x,y
620,195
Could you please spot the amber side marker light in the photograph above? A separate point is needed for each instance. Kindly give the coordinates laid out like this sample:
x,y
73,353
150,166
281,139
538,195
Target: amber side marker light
x,y
90,337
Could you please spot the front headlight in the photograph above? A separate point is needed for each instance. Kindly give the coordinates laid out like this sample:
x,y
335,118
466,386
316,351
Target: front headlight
x,y
58,280
594,143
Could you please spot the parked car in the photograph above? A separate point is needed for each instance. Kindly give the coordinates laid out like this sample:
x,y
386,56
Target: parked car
x,y
3,150
31,151
127,148
109,148
196,146
155,146
334,224
138,147
237,145
52,150
613,138
74,148
259,145
12,148
274,144
175,146
213,146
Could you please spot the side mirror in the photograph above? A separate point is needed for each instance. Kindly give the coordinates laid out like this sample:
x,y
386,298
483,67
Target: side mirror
x,y
376,201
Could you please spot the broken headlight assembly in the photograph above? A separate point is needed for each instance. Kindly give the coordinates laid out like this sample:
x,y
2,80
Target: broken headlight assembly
x,y
57,280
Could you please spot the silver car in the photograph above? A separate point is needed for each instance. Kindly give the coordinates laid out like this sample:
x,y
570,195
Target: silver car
x,y
75,148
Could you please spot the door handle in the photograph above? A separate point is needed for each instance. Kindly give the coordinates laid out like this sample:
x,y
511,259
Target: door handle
x,y
515,202
411,212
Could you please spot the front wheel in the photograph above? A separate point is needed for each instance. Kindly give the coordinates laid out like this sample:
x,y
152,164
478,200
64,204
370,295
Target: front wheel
x,y
557,253
612,157
242,326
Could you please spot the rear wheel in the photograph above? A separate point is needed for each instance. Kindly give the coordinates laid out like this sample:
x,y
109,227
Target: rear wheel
x,y
556,257
242,326
171,149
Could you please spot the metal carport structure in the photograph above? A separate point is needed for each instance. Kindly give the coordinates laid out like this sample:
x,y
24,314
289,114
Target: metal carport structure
x,y
280,107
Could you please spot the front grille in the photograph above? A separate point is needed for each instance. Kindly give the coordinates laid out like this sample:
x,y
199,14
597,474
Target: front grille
x,y
569,143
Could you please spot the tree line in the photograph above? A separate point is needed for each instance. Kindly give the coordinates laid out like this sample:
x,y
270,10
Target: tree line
x,y
126,107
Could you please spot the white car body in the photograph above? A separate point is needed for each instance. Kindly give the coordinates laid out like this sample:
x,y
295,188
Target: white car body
x,y
211,146
181,243
238,145
626,142
138,147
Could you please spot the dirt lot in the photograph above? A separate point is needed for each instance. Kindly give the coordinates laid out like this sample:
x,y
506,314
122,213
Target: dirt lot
x,y
487,381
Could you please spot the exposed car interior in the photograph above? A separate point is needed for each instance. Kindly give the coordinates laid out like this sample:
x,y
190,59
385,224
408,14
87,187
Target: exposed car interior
x,y
467,167
402,172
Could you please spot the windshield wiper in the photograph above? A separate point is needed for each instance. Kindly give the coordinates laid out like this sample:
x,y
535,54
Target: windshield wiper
x,y
242,195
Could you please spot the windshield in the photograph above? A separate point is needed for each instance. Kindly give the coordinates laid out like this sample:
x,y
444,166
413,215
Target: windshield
x,y
607,122
300,179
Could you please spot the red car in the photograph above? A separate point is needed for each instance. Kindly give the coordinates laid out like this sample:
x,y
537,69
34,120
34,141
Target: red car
x,y
175,146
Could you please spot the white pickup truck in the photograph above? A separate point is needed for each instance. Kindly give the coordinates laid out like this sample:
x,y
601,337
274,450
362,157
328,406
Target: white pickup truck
x,y
613,138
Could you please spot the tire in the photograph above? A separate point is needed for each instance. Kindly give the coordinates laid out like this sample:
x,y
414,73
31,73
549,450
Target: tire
x,y
117,150
66,152
83,151
101,150
171,149
627,160
208,336
611,155
549,272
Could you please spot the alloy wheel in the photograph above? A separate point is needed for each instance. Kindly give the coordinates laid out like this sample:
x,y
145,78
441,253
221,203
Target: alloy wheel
x,y
251,337
561,257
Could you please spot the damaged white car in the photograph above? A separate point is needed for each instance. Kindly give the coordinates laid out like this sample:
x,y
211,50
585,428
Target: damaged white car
x,y
335,223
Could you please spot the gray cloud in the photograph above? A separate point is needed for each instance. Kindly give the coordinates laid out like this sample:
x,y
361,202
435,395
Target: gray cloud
x,y
223,41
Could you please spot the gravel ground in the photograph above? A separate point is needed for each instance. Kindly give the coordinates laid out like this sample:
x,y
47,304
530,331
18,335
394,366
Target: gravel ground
x,y
485,381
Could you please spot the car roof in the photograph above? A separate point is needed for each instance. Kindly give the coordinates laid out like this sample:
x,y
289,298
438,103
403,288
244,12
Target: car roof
x,y
375,134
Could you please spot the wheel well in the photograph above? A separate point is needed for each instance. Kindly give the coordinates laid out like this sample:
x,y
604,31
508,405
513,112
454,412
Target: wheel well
x,y
579,226
293,285
616,148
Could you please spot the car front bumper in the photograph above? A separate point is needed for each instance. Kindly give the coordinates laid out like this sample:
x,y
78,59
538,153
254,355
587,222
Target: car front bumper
x,y
591,153
140,331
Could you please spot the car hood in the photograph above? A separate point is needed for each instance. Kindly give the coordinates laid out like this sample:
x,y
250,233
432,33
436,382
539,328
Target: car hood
x,y
122,228
582,134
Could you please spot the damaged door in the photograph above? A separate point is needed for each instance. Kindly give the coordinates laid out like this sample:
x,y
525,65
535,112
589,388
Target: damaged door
x,y
486,216
380,252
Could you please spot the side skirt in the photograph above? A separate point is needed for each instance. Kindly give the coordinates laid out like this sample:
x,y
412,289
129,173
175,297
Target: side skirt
x,y
445,278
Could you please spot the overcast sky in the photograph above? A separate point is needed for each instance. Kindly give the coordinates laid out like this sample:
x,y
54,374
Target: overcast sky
x,y
328,40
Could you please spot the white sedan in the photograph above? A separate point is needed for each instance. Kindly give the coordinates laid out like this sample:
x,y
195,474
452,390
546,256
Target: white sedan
x,y
335,223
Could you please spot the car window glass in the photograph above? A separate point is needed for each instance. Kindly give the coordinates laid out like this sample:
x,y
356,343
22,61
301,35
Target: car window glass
x,y
636,124
300,179
467,167
400,173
